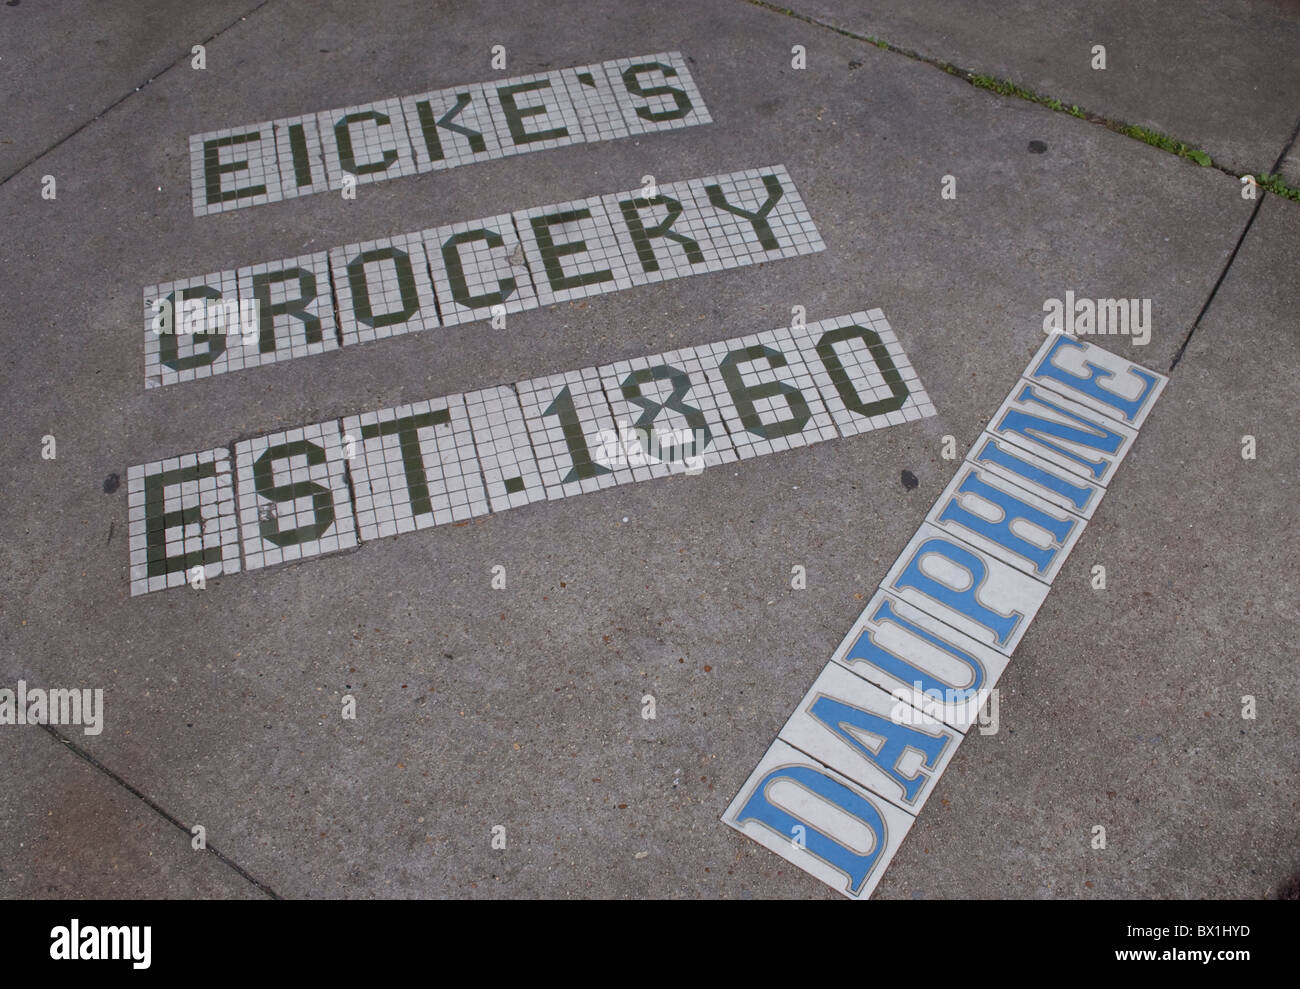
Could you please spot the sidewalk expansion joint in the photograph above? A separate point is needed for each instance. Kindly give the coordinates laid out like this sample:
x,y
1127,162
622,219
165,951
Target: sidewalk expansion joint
x,y
160,811
126,96
1270,181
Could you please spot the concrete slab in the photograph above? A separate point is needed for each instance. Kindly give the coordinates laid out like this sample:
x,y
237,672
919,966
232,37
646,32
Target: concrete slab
x,y
71,832
61,65
527,708
1290,168
1123,708
1216,77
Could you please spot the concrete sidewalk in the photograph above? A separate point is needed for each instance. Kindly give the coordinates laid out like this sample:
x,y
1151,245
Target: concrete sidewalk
x,y
522,708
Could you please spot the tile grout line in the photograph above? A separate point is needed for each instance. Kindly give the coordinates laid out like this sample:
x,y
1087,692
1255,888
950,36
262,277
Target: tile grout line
x,y
528,435
478,458
349,480
126,96
234,494
160,811
519,239
334,303
433,287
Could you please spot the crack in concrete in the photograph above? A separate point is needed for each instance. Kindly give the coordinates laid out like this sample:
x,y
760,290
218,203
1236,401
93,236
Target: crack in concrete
x,y
1277,166
1005,87
161,812
126,96
1022,92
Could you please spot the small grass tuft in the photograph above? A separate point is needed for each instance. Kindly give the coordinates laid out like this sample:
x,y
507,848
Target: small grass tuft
x,y
1165,143
1005,87
1277,185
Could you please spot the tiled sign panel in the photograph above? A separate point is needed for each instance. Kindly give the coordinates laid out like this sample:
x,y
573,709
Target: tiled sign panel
x,y
318,152
488,268
330,486
847,775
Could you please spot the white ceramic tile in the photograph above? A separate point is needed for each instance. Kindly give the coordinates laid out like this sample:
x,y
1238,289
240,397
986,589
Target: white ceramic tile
x,y
450,127
1036,475
181,515
656,92
477,266
663,236
183,354
862,373
367,142
293,495
1096,378
383,288
881,743
504,450
1066,433
1019,528
917,658
569,423
533,112
818,820
966,588
754,215
294,312
572,250
233,168
766,393
300,156
413,467
595,102
667,416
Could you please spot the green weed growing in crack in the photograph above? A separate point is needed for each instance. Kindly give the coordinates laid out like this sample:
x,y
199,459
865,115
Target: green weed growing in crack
x,y
1166,143
1277,185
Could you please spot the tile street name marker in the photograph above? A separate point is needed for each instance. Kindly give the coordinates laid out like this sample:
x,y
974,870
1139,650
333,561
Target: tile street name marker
x,y
838,790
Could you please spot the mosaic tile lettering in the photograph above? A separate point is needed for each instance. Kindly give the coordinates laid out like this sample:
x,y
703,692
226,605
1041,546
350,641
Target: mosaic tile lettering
x,y
843,782
316,152
508,263
333,485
